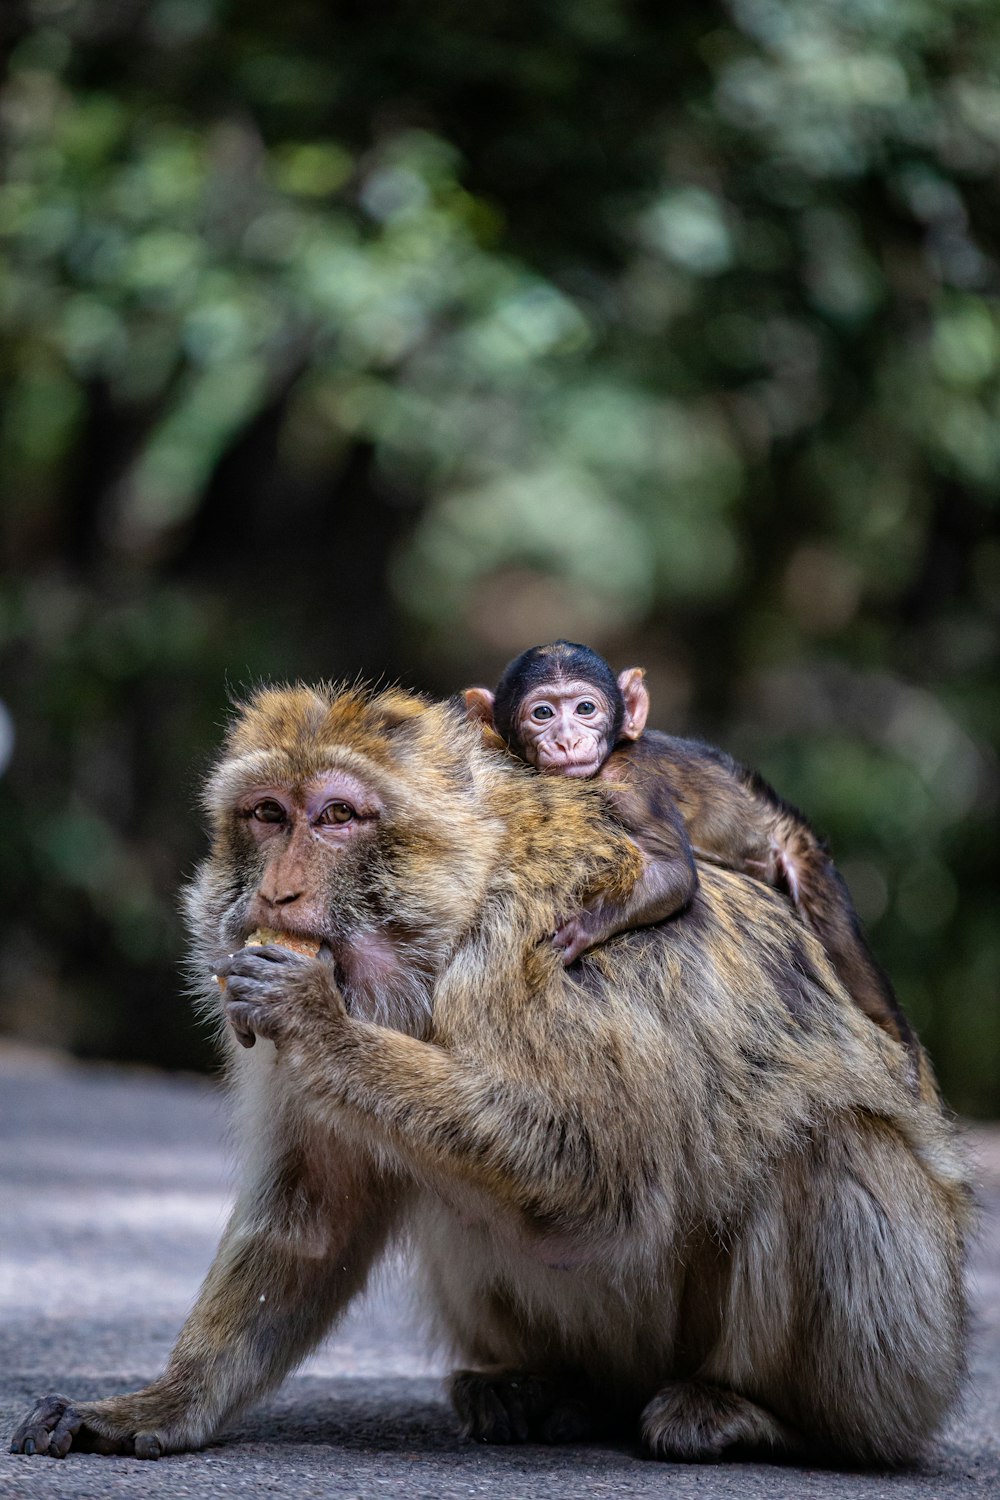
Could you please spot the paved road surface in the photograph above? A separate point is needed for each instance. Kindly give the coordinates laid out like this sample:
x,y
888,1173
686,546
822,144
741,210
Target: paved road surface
x,y
112,1195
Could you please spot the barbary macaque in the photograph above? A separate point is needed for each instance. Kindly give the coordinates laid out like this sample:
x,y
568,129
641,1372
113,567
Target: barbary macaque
x,y
680,1192
561,709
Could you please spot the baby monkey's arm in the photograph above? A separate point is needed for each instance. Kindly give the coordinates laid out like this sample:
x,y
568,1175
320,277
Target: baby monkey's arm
x,y
668,881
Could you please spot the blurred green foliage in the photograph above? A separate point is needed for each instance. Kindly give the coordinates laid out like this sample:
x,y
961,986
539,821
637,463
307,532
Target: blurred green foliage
x,y
392,339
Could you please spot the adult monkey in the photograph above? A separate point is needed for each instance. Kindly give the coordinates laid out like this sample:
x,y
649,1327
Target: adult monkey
x,y
562,710
683,1191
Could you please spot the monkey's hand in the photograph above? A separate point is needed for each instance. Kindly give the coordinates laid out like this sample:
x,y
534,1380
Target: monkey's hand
x,y
54,1425
266,989
49,1427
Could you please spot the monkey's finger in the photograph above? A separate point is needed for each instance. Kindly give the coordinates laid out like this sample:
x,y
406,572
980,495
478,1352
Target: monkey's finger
x,y
33,1435
247,988
570,945
64,1432
250,1020
240,1015
243,1036
273,953
255,960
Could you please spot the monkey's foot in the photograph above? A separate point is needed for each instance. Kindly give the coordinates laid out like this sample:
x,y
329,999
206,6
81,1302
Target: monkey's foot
x,y
578,933
696,1423
513,1406
55,1425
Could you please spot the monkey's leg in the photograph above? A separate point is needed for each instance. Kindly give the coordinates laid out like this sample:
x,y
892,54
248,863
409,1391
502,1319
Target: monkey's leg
x,y
802,865
697,1423
843,1308
516,1406
878,1256
291,1258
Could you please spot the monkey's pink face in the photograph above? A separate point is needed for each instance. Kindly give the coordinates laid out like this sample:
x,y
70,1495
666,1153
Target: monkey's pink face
x,y
565,728
301,830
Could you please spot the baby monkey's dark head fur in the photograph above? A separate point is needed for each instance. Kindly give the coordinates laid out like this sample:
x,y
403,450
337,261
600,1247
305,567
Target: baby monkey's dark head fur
x,y
542,665
561,708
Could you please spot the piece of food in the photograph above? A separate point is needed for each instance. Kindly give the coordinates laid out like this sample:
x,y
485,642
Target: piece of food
x,y
307,946
293,941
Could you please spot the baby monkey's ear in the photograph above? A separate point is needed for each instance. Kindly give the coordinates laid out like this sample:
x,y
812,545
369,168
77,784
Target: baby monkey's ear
x,y
479,709
635,696
479,705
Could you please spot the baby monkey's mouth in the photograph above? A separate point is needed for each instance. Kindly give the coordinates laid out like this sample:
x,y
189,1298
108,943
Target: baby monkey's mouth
x,y
563,766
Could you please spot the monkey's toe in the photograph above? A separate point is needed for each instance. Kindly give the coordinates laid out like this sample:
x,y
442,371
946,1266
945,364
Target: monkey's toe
x,y
517,1407
696,1423
490,1408
48,1428
55,1425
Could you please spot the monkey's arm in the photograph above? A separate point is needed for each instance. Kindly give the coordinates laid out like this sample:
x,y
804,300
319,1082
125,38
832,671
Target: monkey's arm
x,y
668,880
490,1123
292,1256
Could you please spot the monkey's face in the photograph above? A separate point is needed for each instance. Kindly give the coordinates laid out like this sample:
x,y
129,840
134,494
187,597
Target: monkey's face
x,y
301,847
326,826
302,833
564,728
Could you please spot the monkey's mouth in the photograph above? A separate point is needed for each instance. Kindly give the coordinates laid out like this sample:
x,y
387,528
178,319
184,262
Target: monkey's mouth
x,y
561,766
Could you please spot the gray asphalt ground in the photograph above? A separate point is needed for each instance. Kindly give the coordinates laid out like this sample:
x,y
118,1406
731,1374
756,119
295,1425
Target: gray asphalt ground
x,y
113,1190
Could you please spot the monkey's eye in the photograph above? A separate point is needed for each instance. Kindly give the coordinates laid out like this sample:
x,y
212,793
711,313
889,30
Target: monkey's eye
x,y
543,711
268,811
586,708
336,812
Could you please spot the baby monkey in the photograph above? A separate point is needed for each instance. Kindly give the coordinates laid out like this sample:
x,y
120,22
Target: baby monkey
x,y
561,709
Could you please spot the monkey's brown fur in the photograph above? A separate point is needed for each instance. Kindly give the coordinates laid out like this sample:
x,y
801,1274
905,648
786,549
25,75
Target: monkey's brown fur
x,y
732,817
683,1190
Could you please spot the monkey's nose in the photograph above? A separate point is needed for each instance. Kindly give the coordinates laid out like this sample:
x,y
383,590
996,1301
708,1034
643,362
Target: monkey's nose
x,y
280,898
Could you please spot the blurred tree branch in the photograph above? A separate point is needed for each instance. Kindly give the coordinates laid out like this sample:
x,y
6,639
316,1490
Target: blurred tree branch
x,y
341,340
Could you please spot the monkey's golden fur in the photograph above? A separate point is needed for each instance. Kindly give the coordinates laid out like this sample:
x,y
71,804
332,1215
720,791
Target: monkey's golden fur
x,y
682,1189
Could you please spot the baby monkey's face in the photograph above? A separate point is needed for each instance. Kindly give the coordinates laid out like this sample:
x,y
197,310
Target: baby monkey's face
x,y
565,728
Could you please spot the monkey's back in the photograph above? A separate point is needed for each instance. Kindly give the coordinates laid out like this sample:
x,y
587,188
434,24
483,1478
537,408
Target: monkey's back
x,y
726,1064
728,810
734,818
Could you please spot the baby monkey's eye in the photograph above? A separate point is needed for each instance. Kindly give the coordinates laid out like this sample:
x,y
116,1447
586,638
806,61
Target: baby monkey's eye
x,y
586,708
336,812
268,811
543,711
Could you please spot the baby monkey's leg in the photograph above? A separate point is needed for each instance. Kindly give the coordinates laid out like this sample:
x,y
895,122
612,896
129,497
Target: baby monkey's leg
x,y
803,868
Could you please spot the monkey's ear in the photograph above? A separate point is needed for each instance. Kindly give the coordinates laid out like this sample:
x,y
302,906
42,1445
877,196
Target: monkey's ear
x,y
635,696
479,705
